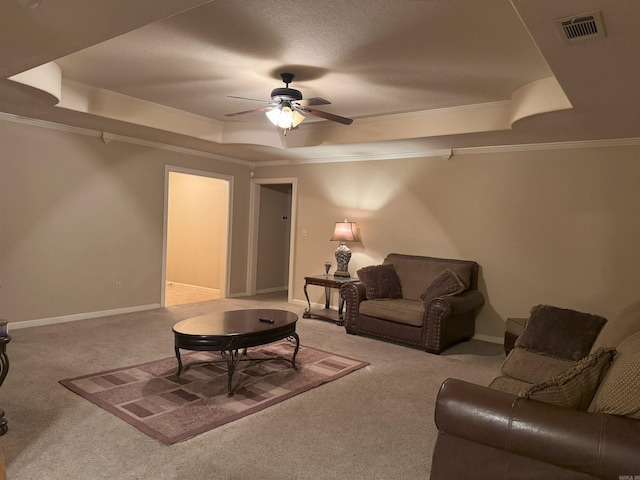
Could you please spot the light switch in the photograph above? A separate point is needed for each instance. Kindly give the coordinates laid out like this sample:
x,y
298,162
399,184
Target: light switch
x,y
305,232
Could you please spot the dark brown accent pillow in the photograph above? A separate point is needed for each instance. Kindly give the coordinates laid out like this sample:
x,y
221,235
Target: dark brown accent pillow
x,y
445,283
380,281
560,332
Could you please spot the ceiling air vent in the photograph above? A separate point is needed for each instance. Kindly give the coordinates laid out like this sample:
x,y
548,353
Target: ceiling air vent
x,y
587,26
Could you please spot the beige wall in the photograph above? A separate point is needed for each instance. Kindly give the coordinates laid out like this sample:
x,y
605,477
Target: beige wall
x,y
549,226
197,215
78,215
558,227
273,238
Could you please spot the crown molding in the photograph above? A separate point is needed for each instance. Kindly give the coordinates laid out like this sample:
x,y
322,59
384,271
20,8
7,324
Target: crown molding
x,y
447,153
611,142
122,138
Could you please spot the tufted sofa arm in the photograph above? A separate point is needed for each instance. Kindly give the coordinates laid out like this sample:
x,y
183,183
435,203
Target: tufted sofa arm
x,y
603,446
450,318
456,304
352,294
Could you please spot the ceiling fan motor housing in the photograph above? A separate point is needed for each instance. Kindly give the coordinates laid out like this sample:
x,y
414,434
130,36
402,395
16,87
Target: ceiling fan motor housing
x,y
285,94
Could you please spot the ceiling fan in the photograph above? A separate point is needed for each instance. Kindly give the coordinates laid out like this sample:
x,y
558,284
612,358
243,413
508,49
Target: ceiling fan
x,y
287,108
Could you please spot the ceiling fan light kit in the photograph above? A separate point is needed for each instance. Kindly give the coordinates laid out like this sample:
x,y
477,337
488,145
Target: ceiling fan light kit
x,y
285,117
287,109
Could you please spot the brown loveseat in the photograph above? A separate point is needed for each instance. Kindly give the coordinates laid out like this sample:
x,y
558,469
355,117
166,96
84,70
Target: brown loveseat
x,y
424,302
580,423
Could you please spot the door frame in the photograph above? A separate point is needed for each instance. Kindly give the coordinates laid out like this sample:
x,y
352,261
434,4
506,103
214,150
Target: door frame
x,y
226,244
254,215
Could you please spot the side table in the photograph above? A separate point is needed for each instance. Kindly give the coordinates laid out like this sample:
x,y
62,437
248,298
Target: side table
x,y
513,329
4,369
328,282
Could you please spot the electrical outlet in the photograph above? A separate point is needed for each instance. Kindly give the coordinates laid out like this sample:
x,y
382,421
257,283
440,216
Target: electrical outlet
x,y
118,286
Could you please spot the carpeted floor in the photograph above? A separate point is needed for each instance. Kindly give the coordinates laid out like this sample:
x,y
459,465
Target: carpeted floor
x,y
375,423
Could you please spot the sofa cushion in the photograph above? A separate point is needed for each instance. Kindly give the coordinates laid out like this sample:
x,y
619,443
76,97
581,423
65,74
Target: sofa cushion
x,y
398,310
533,367
619,392
575,388
622,326
380,281
445,283
416,273
509,385
560,332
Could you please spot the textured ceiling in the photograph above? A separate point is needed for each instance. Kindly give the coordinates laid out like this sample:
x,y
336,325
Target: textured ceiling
x,y
416,75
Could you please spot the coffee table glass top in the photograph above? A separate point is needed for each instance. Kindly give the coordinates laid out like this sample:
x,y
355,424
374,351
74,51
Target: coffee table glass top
x,y
235,322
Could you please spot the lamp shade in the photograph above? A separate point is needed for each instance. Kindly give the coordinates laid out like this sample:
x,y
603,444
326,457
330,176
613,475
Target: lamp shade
x,y
345,232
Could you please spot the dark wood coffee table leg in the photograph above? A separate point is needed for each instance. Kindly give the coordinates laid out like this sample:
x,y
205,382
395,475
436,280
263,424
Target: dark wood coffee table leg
x,y
295,352
232,357
179,361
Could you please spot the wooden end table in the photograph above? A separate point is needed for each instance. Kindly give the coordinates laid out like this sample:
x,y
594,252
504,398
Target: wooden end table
x,y
328,282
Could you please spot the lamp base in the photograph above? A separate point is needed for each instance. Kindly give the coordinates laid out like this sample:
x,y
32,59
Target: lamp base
x,y
343,255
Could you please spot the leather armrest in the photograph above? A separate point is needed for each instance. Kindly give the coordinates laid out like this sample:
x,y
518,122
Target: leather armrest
x,y
597,444
455,304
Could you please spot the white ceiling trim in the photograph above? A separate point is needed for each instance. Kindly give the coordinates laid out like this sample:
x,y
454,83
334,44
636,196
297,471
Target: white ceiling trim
x,y
104,103
390,156
614,142
544,95
106,137
46,78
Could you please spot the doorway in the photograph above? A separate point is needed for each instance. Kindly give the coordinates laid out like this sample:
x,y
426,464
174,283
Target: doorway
x,y
196,235
272,227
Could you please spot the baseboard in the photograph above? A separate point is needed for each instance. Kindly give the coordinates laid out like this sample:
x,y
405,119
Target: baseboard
x,y
271,290
237,295
488,338
80,316
199,287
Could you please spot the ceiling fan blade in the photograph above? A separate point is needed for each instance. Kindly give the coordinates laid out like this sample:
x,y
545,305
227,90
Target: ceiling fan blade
x,y
328,116
251,99
263,109
313,101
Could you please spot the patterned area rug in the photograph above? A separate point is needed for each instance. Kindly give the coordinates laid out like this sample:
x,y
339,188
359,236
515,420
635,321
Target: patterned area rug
x,y
152,398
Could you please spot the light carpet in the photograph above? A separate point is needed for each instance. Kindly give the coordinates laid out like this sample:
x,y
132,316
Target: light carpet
x,y
170,408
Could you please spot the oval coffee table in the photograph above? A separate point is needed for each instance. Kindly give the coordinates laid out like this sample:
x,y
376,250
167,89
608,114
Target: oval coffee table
x,y
232,331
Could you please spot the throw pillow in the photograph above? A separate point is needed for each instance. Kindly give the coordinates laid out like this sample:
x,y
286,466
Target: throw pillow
x,y
444,284
560,332
575,388
380,281
619,392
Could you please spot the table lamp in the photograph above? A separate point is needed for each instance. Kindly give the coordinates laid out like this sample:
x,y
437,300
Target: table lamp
x,y
344,232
